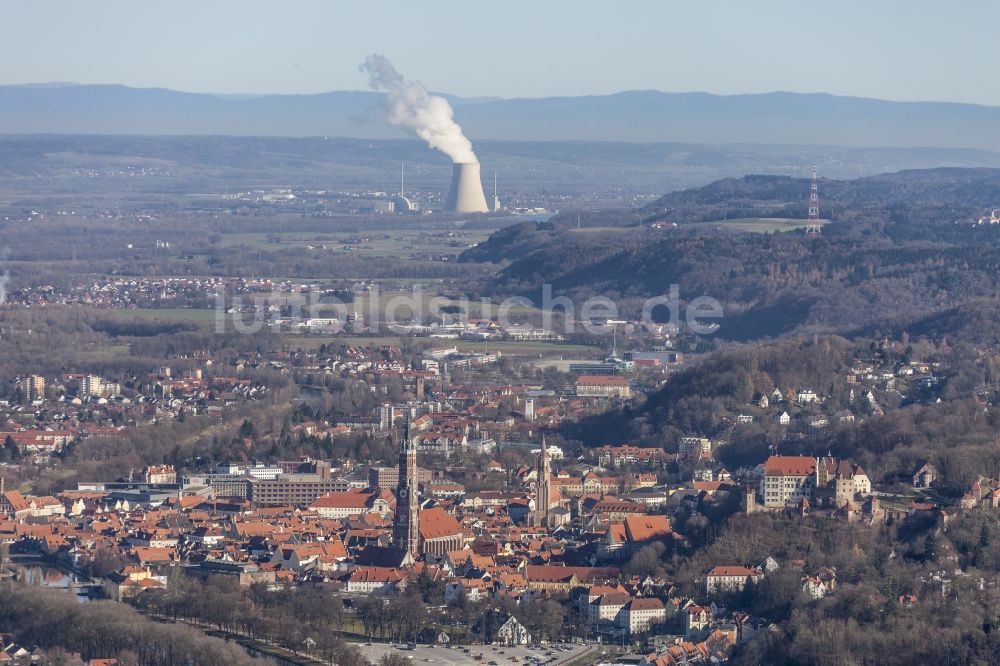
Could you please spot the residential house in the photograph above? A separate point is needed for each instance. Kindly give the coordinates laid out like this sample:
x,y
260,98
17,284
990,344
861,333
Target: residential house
x,y
696,620
821,583
158,474
806,396
925,475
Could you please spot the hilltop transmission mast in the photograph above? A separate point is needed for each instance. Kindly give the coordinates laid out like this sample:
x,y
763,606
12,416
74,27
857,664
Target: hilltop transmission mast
x,y
812,227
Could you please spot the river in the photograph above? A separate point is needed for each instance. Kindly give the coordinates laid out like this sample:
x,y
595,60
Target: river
x,y
43,574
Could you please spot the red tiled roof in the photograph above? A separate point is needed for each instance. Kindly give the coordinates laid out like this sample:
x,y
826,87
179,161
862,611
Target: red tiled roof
x,y
790,466
347,500
553,574
647,528
435,523
733,571
376,575
17,503
650,603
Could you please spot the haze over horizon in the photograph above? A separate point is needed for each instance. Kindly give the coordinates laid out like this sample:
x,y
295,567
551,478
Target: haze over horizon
x,y
482,98
894,50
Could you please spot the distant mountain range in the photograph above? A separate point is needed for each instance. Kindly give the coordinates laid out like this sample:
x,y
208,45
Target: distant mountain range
x,y
634,116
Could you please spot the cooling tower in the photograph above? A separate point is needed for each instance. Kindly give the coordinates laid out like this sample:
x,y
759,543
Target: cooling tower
x,y
466,193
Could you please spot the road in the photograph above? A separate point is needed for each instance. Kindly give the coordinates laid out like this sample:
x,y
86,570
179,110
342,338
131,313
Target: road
x,y
441,655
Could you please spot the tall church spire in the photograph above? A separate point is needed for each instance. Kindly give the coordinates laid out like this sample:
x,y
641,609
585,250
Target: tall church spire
x,y
406,522
542,497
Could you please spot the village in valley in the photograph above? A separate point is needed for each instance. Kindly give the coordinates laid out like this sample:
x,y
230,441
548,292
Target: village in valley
x,y
446,507
318,379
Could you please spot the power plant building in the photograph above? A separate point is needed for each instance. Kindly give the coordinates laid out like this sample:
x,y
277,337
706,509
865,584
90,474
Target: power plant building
x,y
466,192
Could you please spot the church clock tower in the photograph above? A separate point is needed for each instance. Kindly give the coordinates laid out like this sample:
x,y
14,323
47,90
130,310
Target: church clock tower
x,y
543,496
406,523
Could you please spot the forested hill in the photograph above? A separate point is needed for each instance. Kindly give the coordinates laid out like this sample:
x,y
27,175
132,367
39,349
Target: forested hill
x,y
783,196
900,251
697,399
704,399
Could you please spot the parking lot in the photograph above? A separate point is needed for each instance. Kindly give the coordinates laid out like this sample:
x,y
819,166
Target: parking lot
x,y
467,654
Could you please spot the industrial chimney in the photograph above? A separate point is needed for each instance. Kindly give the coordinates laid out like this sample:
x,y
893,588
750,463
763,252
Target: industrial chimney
x,y
466,193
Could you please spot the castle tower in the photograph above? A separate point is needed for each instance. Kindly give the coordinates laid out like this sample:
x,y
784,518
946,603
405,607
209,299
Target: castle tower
x,y
749,499
406,523
542,496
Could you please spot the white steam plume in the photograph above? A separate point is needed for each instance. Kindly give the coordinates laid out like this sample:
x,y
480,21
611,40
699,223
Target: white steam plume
x,y
409,105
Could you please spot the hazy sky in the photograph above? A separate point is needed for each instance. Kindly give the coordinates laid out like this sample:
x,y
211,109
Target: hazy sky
x,y
890,49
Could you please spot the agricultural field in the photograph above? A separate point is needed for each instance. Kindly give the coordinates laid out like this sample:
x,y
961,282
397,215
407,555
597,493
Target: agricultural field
x,y
381,243
759,225
97,350
162,314
314,342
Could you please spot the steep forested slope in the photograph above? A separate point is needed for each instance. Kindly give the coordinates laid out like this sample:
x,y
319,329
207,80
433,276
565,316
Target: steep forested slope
x,y
900,249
